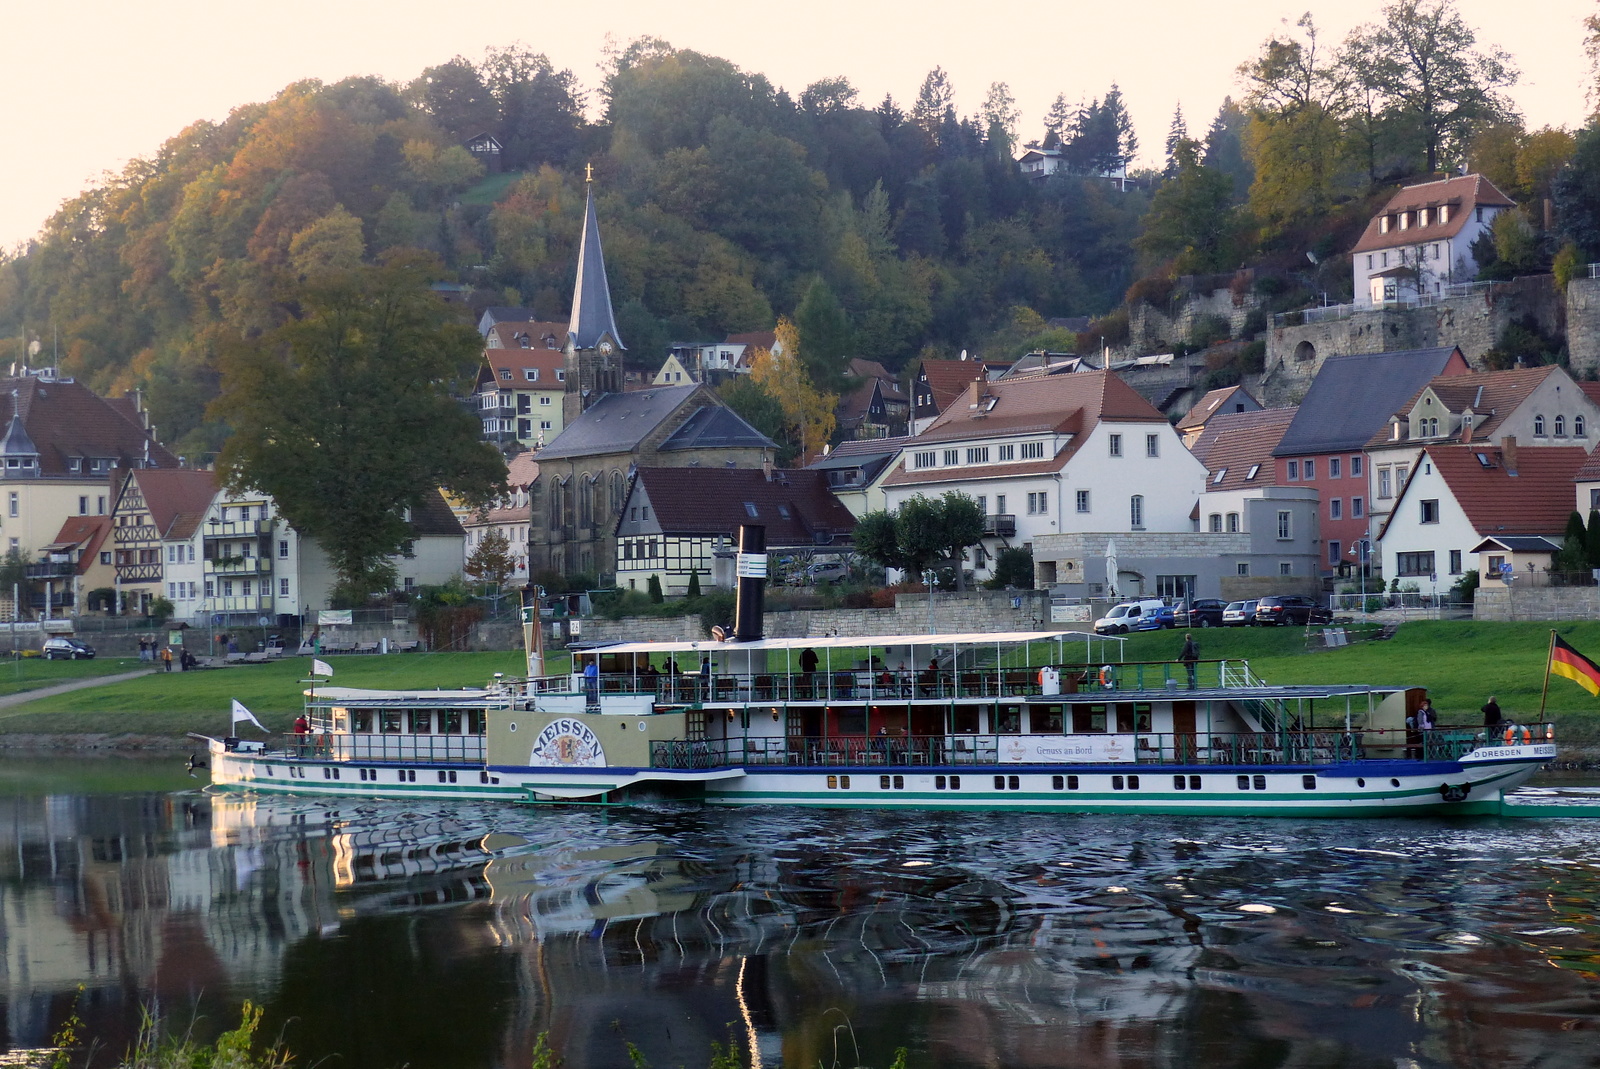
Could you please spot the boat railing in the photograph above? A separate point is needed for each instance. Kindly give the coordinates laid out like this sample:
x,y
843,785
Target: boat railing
x,y
423,749
882,684
1140,748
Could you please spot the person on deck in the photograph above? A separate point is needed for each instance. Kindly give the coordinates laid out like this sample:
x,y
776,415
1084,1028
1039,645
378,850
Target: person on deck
x,y
1492,717
1189,656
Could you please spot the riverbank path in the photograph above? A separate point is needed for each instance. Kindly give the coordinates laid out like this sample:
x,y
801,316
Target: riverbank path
x,y
24,696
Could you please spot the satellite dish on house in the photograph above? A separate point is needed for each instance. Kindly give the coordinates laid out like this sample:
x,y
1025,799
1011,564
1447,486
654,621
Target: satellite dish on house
x,y
963,352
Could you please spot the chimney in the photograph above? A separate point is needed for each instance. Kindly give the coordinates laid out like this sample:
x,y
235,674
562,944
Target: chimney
x,y
1508,454
766,468
1466,431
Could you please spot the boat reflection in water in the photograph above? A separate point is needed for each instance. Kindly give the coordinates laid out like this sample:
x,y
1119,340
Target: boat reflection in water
x,y
452,935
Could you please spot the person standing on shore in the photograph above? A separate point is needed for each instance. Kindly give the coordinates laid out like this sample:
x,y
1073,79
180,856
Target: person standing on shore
x,y
166,658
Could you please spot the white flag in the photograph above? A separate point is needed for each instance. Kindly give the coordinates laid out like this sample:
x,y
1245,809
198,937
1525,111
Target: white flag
x,y
321,668
241,714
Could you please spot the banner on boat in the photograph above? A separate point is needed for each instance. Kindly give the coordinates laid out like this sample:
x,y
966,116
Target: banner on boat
x,y
568,743
1066,749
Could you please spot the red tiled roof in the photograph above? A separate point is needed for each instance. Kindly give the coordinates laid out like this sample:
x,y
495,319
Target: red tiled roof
x,y
1538,499
754,339
176,498
545,361
947,378
1591,390
1590,472
88,533
696,501
1462,194
1234,442
1491,395
523,471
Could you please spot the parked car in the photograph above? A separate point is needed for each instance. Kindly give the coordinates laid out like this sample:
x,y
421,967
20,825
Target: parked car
x,y
1291,609
1149,614
1206,612
827,571
1239,614
66,649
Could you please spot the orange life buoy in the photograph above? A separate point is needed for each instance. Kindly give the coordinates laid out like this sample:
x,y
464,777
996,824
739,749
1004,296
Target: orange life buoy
x,y
1105,675
1511,733
1527,736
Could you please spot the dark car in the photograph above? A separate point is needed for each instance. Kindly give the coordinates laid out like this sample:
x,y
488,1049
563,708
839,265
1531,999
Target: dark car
x,y
66,649
1291,609
1205,612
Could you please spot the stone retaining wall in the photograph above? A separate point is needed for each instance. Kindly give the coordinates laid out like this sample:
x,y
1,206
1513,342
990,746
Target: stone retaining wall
x,y
1537,603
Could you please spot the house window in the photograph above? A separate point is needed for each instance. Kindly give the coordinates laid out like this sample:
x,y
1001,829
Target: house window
x,y
1115,444
1038,503
1333,552
1136,511
1358,508
1355,467
1294,470
926,459
1444,214
1032,450
1308,469
1216,523
952,457
1561,426
978,454
1383,483
1455,562
1000,504
1422,217
1579,429
1400,471
100,506
505,373
15,504
283,549
1538,426
283,588
1285,525
1006,452
1335,509
1285,567
544,399
532,373
1242,568
1152,445
1383,225
105,558
561,374
1083,500
83,505
1430,512
1233,523
1333,467
1414,563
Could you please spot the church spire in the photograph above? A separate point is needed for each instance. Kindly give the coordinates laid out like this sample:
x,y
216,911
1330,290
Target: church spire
x,y
592,318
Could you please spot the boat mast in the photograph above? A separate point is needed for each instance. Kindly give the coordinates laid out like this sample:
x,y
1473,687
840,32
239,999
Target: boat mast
x,y
532,630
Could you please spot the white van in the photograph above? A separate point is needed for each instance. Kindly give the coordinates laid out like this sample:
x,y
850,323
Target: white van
x,y
1148,614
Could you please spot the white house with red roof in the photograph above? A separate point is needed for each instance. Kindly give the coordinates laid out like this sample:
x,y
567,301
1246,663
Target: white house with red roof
x,y
1049,453
508,515
1421,240
1458,496
521,384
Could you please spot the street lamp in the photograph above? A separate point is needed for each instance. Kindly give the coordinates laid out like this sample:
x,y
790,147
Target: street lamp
x,y
928,577
1360,550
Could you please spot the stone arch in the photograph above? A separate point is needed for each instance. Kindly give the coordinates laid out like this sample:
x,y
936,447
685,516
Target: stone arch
x,y
1305,351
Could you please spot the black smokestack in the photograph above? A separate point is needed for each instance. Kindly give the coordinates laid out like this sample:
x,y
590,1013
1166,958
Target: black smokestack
x,y
751,568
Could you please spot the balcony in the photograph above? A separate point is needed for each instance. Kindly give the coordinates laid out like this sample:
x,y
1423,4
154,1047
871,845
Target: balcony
x,y
239,566
1002,525
50,570
238,603
237,528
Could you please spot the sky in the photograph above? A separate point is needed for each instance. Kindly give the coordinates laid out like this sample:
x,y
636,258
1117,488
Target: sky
x,y
162,64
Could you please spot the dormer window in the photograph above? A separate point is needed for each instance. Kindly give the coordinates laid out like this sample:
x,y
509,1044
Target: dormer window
x,y
505,373
1383,225
531,374
1405,220
1422,217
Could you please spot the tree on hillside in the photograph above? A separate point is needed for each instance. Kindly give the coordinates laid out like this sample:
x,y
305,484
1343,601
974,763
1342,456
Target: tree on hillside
x,y
808,418
919,533
1576,190
1424,63
1177,131
1192,220
345,415
1000,112
935,103
822,322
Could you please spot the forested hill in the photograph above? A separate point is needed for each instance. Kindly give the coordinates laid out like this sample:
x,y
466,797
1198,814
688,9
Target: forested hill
x,y
723,203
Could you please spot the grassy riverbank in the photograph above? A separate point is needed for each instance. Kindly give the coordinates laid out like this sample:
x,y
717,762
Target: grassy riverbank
x,y
1460,662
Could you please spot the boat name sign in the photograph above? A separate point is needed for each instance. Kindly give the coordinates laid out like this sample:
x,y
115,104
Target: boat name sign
x,y
570,743
1066,749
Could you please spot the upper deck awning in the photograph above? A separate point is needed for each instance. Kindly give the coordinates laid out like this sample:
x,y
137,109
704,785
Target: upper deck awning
x,y
850,642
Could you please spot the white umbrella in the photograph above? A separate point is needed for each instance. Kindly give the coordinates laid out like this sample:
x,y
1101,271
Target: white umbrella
x,y
1111,568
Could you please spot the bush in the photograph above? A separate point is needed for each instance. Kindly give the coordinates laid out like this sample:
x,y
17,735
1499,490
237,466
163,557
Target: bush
x,y
694,586
654,589
160,610
1153,291
1112,329
1013,569
1207,330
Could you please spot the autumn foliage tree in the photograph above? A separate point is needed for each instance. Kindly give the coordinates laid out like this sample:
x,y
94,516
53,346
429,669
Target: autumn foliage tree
x,y
808,418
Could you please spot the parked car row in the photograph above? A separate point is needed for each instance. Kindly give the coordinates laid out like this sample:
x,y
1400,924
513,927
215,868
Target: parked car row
x,y
1154,614
1274,611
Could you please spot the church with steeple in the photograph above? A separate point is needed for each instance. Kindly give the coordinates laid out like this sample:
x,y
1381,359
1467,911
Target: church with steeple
x,y
585,472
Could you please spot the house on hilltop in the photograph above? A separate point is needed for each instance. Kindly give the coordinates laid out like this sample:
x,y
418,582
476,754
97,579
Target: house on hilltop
x,y
1421,240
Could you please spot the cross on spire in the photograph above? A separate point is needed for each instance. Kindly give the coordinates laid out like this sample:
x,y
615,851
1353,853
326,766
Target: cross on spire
x,y
588,172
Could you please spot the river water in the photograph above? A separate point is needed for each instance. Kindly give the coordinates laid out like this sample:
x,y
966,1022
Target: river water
x,y
444,935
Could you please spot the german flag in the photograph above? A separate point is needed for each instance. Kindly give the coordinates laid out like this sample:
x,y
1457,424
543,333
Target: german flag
x,y
1568,662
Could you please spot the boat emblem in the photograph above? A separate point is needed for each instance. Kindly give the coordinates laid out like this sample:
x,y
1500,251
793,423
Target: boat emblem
x,y
565,741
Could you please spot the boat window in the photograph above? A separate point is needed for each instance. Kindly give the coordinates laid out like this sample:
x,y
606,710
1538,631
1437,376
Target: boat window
x,y
474,721
1046,720
422,721
1088,719
1014,783
850,720
1117,783
1057,782
844,783
361,721
1244,783
999,783
833,783
1308,782
938,783
389,721
1072,783
955,783
1010,720
1180,783
899,783
1261,783
964,720
451,724
1133,783
883,783
1194,783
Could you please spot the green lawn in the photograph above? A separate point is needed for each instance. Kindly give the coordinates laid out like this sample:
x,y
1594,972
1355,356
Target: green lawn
x,y
490,189
31,673
172,703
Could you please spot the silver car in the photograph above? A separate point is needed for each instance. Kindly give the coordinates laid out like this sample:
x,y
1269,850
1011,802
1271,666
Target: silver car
x,y
1239,613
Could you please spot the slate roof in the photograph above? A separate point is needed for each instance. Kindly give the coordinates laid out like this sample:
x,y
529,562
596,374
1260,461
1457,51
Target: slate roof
x,y
591,299
510,334
1211,404
1352,398
755,339
501,314
707,501
858,452
618,422
716,427
435,517
1491,395
1234,442
67,420
1536,500
1462,194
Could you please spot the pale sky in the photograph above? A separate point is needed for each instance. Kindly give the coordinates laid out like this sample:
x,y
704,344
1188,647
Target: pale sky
x,y
154,67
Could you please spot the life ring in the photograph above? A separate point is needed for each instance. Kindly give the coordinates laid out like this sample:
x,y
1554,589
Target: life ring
x,y
1106,676
1511,733
1527,736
